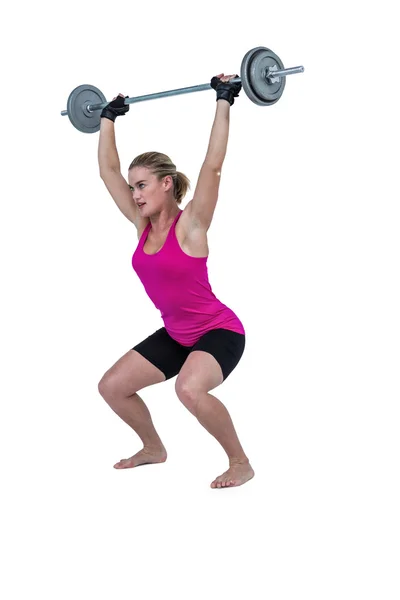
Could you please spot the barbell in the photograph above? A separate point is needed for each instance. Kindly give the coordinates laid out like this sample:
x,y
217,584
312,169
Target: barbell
x,y
262,75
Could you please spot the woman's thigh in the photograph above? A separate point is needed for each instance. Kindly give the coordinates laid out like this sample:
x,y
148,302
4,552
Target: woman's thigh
x,y
225,346
155,359
163,352
131,373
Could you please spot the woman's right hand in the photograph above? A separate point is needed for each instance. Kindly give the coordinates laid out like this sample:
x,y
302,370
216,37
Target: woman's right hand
x,y
115,108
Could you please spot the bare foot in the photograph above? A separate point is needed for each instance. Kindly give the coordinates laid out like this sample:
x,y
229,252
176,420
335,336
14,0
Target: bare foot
x,y
237,474
145,456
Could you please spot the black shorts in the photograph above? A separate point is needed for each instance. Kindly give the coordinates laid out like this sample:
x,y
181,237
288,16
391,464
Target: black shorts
x,y
169,356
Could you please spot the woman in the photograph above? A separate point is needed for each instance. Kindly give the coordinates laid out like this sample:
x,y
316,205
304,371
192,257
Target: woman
x,y
202,340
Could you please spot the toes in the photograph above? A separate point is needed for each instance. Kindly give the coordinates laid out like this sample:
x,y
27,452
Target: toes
x,y
223,483
227,483
216,483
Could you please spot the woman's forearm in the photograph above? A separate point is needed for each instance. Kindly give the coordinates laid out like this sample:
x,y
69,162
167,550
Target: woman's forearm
x,y
219,135
107,152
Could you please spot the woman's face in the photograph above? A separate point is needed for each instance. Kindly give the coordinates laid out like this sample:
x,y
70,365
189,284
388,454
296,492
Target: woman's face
x,y
147,191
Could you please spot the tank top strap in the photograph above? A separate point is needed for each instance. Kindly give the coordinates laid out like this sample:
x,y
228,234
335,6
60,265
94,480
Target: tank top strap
x,y
143,237
171,237
177,218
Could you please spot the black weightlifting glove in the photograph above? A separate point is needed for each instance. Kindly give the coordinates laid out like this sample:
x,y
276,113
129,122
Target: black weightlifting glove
x,y
226,90
115,109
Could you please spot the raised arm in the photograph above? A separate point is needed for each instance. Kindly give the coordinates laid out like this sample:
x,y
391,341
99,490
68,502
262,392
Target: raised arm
x,y
218,143
206,192
109,164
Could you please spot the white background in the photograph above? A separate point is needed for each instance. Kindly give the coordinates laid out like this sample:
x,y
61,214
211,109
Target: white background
x,y
304,247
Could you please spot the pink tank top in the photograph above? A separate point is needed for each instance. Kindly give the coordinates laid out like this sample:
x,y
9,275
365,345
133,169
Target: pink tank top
x,y
178,286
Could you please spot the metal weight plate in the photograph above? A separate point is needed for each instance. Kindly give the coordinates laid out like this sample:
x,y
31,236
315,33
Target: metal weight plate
x,y
254,67
78,100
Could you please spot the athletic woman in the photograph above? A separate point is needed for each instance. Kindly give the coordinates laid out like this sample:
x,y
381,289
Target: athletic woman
x,y
202,339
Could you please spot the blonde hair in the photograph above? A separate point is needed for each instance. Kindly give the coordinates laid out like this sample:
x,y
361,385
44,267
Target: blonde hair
x,y
161,165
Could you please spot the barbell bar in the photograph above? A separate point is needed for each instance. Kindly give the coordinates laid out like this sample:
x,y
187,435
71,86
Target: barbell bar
x,y
263,79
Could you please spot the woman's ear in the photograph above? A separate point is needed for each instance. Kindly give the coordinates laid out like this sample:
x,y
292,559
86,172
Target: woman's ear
x,y
168,182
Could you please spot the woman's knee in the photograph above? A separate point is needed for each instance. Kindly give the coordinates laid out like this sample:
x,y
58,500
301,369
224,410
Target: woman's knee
x,y
109,386
187,394
130,374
